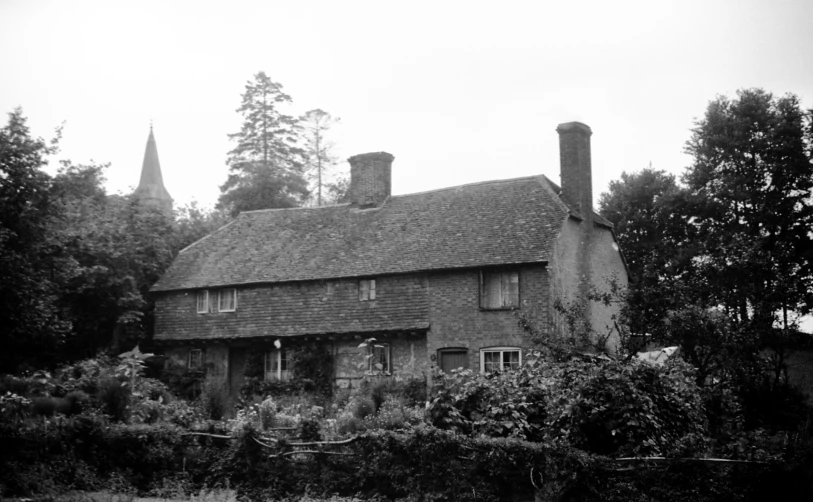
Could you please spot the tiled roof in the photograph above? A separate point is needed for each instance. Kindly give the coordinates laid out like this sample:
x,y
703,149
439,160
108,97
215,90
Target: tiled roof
x,y
490,223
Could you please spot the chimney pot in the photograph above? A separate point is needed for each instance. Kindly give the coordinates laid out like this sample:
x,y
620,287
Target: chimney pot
x,y
370,178
576,169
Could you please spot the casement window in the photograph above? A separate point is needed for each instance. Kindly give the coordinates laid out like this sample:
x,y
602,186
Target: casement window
x,y
195,359
366,290
499,290
227,300
495,359
277,365
380,359
203,302
453,359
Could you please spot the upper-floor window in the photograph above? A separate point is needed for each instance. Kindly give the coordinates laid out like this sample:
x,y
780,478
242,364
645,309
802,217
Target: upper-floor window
x,y
277,365
203,301
499,289
227,300
495,359
195,359
366,290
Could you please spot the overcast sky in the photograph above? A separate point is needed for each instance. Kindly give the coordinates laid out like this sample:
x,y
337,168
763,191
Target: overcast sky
x,y
459,92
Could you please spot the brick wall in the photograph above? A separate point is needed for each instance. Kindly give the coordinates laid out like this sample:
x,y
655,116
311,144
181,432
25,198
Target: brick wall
x,y
458,322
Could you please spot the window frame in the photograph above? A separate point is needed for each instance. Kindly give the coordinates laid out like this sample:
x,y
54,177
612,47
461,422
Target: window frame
x,y
220,296
386,350
484,273
370,290
453,350
500,350
205,294
189,359
281,375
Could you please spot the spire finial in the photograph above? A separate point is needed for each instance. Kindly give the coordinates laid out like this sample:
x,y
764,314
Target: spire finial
x,y
150,124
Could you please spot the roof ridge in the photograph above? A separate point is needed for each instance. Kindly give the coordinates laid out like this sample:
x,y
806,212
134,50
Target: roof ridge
x,y
290,208
476,183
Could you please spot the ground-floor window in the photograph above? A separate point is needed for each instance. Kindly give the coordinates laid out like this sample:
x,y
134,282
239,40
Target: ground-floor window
x,y
496,359
380,359
277,365
452,359
195,360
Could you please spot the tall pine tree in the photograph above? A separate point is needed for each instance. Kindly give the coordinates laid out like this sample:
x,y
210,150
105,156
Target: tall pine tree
x,y
266,167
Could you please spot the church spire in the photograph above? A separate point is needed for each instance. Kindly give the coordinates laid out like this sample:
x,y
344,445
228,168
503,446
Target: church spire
x,y
151,187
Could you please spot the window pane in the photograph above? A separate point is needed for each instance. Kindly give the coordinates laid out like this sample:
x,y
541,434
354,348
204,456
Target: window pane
x,y
372,289
203,297
491,362
194,358
228,299
510,359
491,296
380,362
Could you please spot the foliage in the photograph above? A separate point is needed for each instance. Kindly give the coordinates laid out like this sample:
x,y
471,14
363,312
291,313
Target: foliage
x,y
193,223
319,158
112,249
34,325
266,166
214,399
749,187
599,406
312,373
132,366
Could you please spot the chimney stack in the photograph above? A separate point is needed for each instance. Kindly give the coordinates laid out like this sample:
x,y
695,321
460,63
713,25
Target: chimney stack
x,y
370,179
574,161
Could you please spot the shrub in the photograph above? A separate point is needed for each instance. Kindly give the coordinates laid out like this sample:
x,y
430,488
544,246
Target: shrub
x,y
114,398
78,402
214,399
47,406
268,412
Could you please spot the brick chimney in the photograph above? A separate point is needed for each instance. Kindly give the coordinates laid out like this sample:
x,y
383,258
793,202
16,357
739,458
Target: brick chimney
x,y
574,161
370,179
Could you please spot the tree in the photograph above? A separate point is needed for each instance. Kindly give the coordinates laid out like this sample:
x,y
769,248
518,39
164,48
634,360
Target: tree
x,y
644,207
266,166
112,249
750,191
33,325
318,149
193,223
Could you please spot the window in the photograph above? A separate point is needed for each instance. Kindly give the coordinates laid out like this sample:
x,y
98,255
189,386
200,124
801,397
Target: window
x,y
380,359
499,290
366,290
227,300
500,359
195,358
277,365
203,302
452,359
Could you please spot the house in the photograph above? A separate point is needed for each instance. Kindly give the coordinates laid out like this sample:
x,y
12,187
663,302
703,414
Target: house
x,y
435,277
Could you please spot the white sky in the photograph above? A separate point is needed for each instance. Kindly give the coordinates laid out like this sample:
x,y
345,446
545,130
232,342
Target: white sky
x,y
459,92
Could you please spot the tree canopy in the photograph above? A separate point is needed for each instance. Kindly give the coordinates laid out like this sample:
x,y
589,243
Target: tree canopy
x,y
722,261
266,166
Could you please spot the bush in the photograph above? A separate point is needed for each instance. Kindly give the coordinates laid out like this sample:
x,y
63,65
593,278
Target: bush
x,y
215,400
114,398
